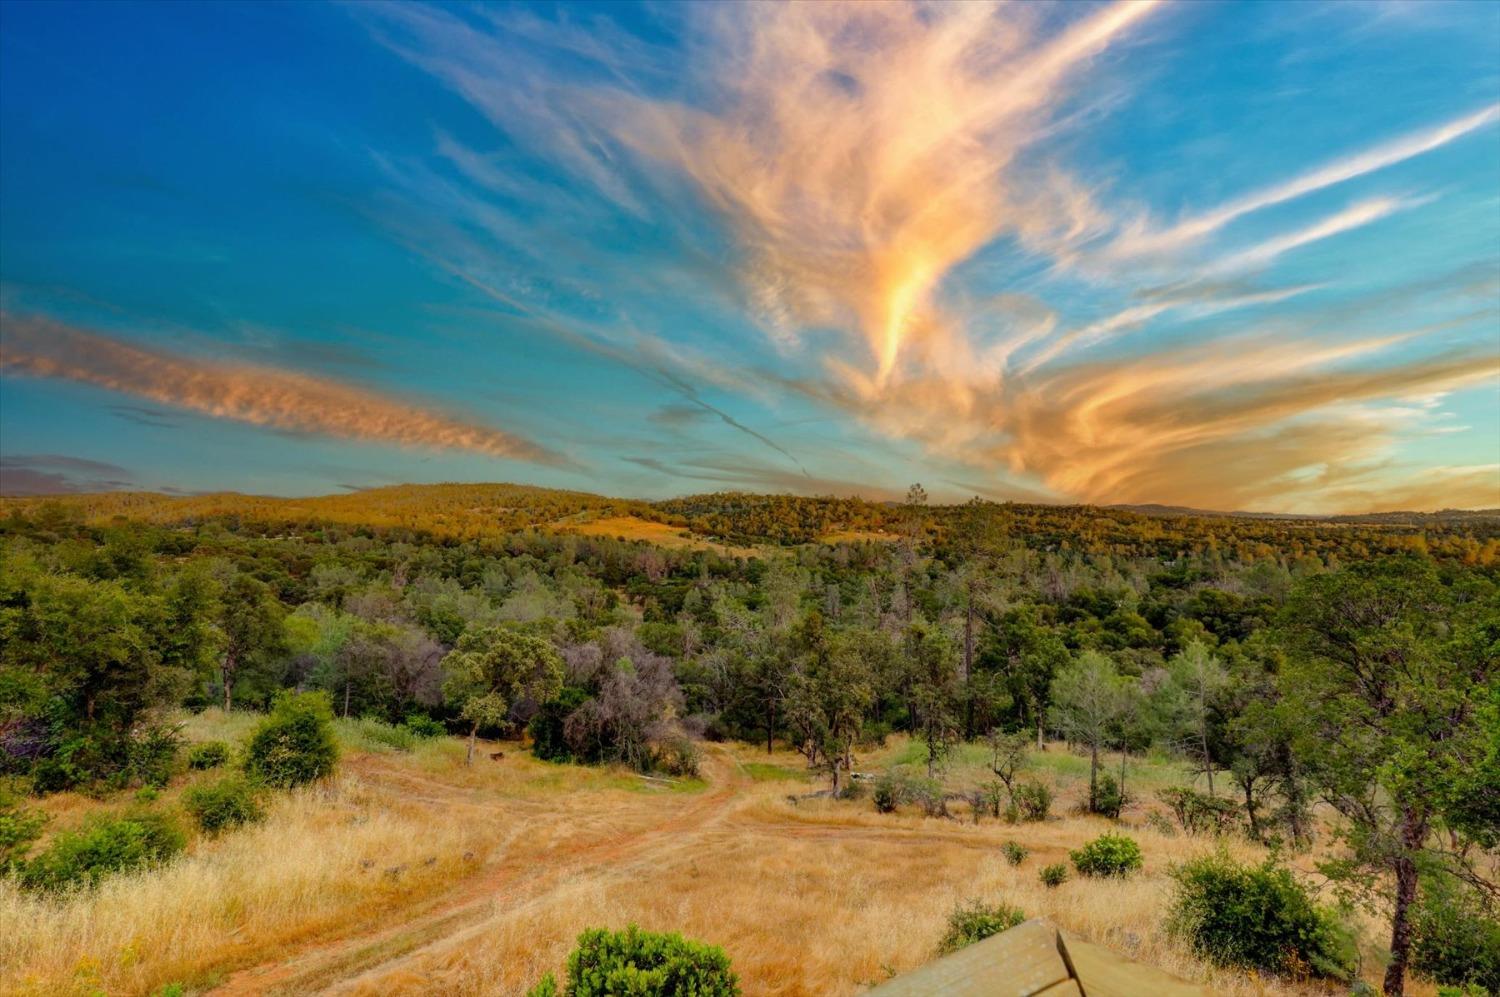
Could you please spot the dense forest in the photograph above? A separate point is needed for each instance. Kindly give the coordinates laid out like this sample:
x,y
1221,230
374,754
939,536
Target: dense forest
x,y
1349,666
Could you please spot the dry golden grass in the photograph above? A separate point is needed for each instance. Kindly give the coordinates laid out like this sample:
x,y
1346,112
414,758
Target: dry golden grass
x,y
810,898
660,534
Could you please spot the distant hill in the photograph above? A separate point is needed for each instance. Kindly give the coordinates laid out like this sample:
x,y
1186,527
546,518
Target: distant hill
x,y
739,523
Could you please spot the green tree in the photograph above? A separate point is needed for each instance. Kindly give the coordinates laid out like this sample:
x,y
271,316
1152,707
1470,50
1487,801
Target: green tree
x,y
1390,668
1088,699
933,663
493,668
1202,679
253,636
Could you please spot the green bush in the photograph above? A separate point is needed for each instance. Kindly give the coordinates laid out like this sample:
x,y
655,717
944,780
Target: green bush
x,y
1258,917
1033,800
222,805
104,847
1015,853
376,733
1107,855
636,963
974,921
295,744
153,756
208,755
1463,990
423,727
1199,813
1456,936
546,987
889,792
1108,800
19,827
1053,875
548,738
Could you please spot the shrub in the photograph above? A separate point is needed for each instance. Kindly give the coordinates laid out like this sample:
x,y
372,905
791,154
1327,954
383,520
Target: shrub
x,y
929,794
546,987
1053,875
106,846
208,755
424,727
295,744
1258,917
19,827
222,805
153,756
636,963
1015,853
1107,855
1456,938
147,794
889,792
1033,800
989,799
376,733
678,756
974,921
1108,799
1199,813
548,732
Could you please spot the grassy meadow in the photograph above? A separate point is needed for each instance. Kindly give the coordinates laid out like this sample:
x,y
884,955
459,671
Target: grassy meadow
x,y
409,873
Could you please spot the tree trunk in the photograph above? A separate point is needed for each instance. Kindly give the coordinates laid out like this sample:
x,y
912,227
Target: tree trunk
x,y
1208,765
1250,809
969,665
1413,833
1122,778
347,683
770,725
473,736
1093,776
1036,707
834,764
226,676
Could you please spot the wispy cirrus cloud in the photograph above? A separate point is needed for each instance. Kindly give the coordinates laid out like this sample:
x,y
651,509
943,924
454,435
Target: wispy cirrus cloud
x,y
1142,240
854,161
256,394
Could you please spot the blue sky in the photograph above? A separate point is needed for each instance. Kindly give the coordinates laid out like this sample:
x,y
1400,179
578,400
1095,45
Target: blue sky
x,y
1225,255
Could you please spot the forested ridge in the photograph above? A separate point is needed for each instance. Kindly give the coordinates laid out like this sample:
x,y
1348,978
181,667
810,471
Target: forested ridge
x,y
1305,667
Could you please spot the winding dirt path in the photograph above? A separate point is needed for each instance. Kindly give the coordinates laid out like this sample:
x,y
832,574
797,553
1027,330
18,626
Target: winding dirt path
x,y
344,962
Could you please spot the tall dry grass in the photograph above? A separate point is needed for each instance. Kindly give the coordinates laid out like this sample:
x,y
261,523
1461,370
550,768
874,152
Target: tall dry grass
x,y
819,897
325,858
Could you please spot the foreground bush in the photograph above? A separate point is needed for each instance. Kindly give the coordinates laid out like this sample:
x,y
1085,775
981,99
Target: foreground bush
x,y
1053,875
295,744
223,805
1107,855
1258,917
636,963
1457,937
975,921
1015,852
208,755
107,846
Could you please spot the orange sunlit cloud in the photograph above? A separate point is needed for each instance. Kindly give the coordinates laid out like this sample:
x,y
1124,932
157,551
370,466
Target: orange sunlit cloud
x,y
258,395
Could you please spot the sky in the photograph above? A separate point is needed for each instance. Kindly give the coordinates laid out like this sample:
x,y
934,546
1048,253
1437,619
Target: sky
x,y
1222,255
